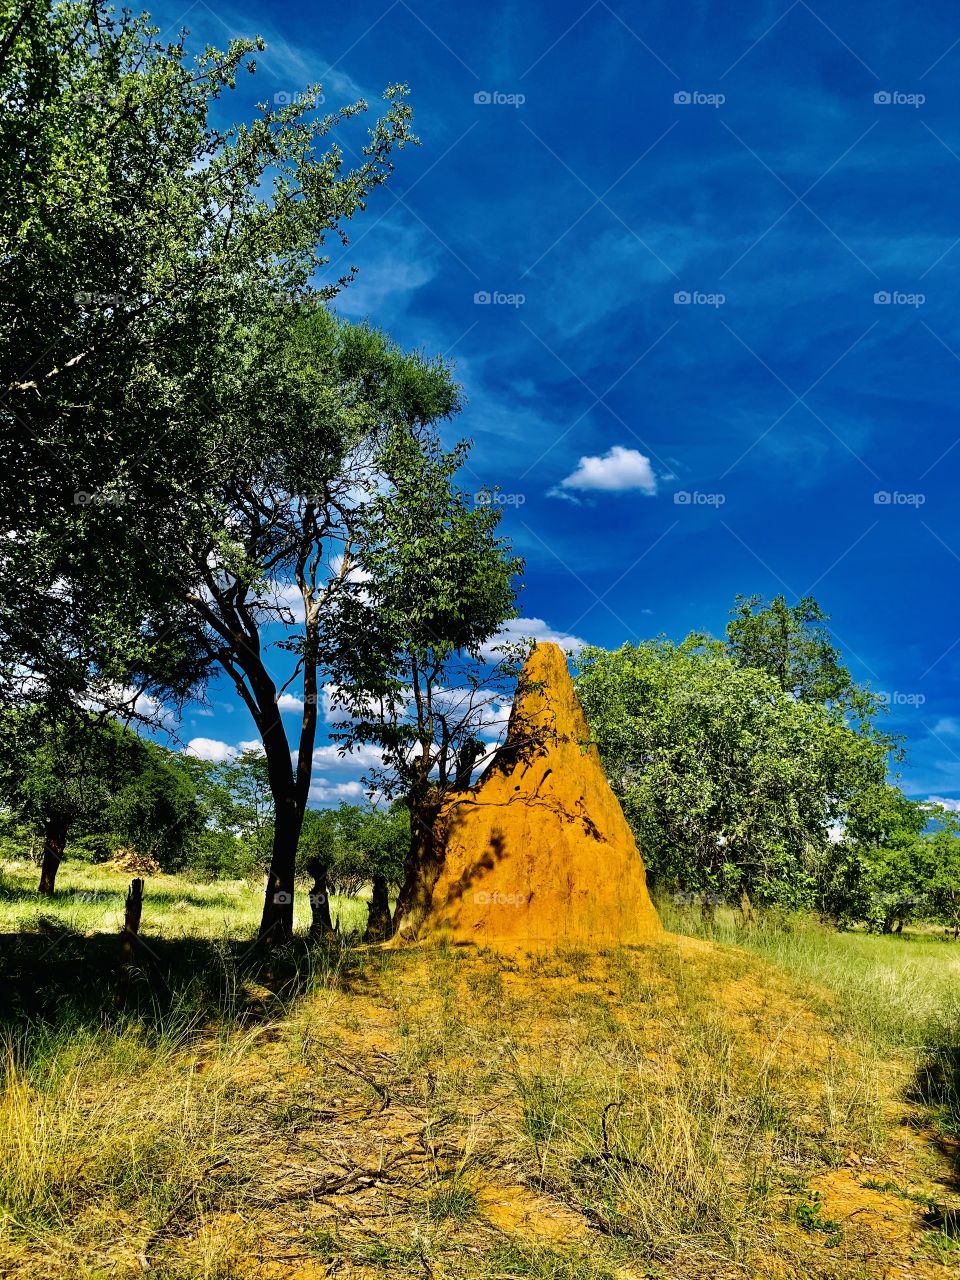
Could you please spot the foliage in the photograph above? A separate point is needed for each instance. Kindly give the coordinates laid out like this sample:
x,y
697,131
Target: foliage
x,y
434,586
355,844
410,640
93,777
151,268
790,643
238,815
730,781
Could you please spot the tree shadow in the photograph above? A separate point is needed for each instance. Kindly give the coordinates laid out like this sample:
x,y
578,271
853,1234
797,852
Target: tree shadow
x,y
936,1088
79,896
56,978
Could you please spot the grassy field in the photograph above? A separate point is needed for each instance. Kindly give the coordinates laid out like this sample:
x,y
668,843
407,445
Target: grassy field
x,y
774,1102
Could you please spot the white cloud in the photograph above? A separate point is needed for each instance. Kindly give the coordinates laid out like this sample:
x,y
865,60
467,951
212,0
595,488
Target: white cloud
x,y
947,725
252,744
125,700
398,260
288,702
953,806
211,749
364,756
533,629
324,792
616,471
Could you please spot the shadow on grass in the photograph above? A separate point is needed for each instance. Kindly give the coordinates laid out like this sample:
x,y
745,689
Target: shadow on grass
x,y
55,979
936,1087
78,896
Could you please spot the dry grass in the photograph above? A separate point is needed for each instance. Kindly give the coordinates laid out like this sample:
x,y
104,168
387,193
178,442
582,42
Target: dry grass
x,y
687,1110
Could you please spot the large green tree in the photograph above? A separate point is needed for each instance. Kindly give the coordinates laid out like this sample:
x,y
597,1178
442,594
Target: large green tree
x,y
730,781
792,644
293,531
149,260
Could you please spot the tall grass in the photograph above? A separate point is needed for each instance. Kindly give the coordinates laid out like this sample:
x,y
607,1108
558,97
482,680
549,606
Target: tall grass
x,y
659,1111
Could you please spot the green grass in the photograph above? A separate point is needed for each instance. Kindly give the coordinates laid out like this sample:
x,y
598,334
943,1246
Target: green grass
x,y
89,899
583,1116
900,991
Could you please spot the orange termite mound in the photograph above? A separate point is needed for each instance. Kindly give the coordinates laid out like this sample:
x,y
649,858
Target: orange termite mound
x,y
538,853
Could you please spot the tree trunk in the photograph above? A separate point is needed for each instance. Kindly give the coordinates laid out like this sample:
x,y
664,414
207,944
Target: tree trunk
x,y
54,840
133,911
379,924
421,870
746,907
276,923
321,926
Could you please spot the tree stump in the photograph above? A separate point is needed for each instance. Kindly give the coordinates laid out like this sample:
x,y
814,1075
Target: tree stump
x,y
131,924
321,925
379,922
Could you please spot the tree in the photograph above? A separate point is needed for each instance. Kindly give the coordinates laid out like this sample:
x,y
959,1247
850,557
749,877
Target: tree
x,y
433,587
148,262
940,869
286,543
791,643
870,872
731,784
156,809
86,773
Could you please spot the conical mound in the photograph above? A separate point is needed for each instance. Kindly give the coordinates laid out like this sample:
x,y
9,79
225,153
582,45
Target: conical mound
x,y
538,853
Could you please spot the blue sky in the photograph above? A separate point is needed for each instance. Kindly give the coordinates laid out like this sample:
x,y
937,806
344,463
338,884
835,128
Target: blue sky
x,y
722,350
